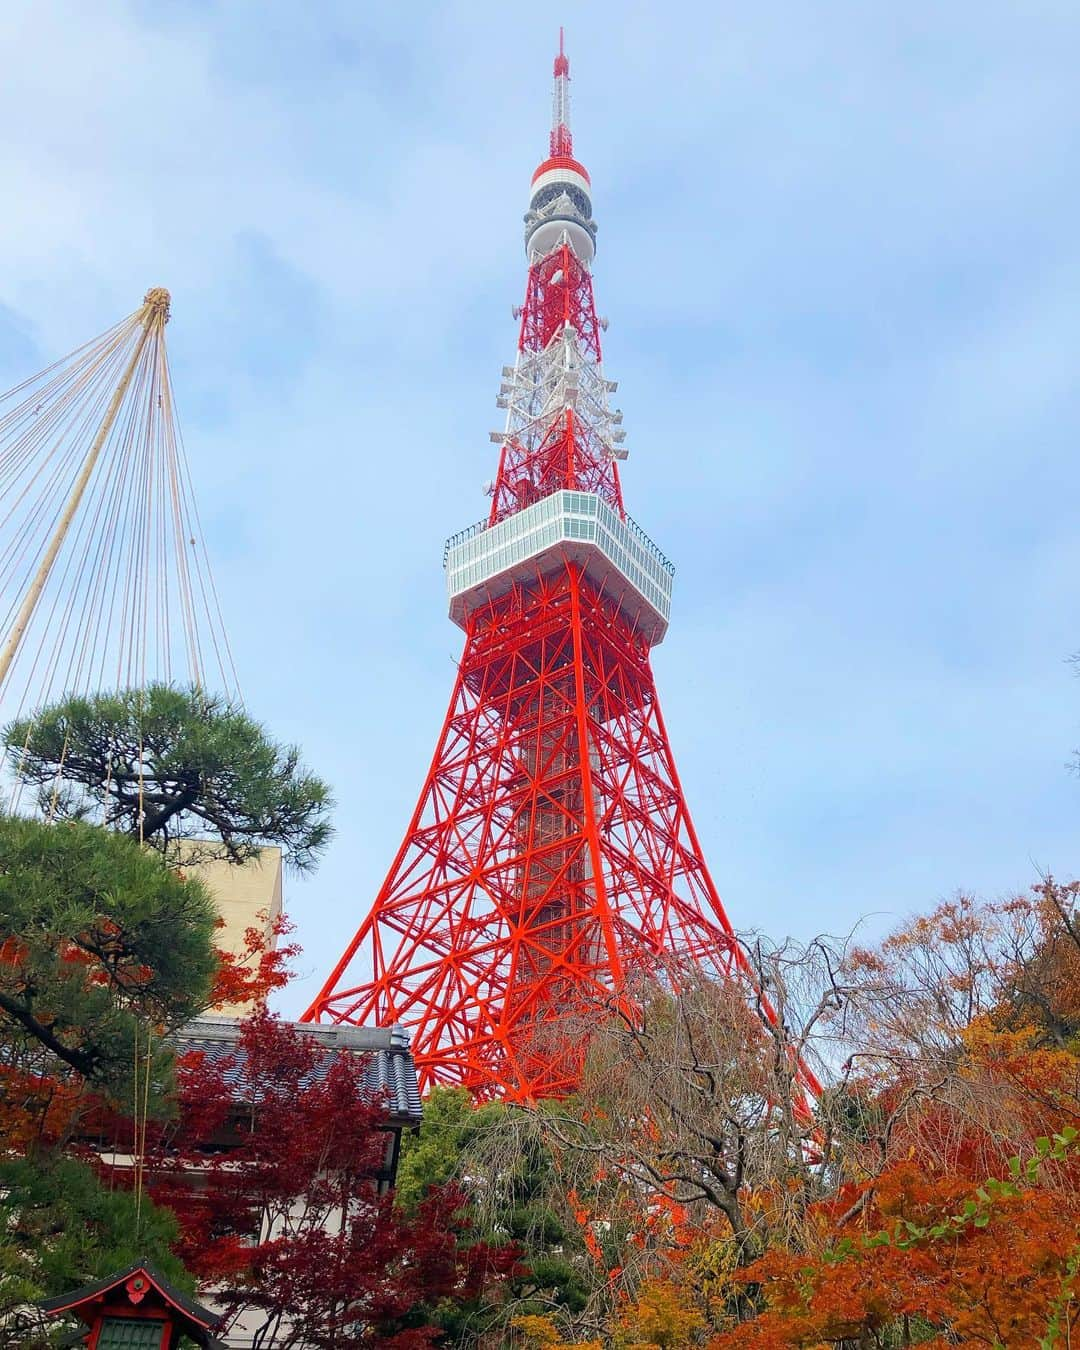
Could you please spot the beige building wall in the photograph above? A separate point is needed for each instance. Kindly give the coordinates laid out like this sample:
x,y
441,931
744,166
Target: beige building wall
x,y
246,896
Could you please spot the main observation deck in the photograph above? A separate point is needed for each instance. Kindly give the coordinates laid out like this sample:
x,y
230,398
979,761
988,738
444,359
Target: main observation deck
x,y
484,561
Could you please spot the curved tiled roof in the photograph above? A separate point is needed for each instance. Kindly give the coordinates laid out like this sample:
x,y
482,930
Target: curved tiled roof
x,y
198,1322
389,1067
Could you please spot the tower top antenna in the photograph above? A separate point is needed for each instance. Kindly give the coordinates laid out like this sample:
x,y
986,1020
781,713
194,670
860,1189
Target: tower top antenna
x,y
560,202
562,143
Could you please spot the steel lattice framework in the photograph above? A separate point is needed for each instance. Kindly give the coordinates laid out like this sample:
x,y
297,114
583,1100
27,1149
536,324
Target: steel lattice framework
x,y
551,855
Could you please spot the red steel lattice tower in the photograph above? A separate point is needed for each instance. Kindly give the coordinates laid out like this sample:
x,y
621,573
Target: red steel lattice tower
x,y
551,854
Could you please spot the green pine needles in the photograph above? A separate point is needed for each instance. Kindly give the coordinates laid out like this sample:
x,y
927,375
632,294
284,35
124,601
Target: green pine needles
x,y
172,766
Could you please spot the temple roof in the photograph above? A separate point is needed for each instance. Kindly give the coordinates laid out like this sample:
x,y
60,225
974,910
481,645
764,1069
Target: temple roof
x,y
389,1068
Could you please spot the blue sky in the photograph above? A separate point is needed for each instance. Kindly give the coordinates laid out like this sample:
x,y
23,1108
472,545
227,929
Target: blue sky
x,y
839,253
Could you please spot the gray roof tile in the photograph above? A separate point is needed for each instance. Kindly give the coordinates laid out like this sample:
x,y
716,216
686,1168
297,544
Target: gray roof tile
x,y
389,1069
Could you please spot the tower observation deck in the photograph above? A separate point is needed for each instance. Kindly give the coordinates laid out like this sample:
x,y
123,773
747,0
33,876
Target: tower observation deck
x,y
611,551
550,860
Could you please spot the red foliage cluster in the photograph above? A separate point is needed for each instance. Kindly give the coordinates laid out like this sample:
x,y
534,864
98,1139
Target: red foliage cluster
x,y
251,976
271,1169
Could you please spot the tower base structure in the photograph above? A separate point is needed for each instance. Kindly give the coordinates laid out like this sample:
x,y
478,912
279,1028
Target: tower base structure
x,y
551,858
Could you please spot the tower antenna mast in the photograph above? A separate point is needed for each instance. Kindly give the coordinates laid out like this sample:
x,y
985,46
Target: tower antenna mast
x,y
562,142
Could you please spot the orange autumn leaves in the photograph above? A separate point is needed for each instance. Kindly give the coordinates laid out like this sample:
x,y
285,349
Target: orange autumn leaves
x,y
936,1200
997,1267
250,976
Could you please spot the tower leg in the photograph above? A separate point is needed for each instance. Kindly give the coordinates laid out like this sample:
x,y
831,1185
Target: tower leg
x,y
550,857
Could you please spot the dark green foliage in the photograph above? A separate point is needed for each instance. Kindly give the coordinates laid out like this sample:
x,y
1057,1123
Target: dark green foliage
x,y
851,1116
76,1229
433,1156
97,937
498,1155
531,1197
168,765
60,1228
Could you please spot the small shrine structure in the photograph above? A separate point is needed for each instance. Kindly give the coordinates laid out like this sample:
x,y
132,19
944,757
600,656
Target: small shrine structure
x,y
136,1309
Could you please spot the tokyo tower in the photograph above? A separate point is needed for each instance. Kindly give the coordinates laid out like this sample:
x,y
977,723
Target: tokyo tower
x,y
551,855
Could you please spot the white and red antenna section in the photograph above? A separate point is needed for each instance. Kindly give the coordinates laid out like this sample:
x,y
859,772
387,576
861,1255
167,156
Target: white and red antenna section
x,y
562,143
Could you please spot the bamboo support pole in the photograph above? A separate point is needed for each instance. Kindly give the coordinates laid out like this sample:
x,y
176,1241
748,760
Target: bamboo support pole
x,y
153,315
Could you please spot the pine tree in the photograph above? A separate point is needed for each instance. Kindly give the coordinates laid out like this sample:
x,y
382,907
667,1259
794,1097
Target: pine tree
x,y
172,765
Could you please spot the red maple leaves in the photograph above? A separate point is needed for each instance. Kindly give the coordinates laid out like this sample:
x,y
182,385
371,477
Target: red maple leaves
x,y
272,1169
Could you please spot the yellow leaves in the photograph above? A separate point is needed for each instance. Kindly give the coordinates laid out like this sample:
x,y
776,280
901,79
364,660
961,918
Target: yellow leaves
x,y
715,1258
538,1332
1043,1074
662,1316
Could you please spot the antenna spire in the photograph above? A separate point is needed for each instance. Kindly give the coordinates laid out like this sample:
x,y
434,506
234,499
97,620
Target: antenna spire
x,y
562,143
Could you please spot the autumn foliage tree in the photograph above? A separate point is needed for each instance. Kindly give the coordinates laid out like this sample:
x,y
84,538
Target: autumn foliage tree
x,y
271,1168
963,1027
932,1194
692,1100
960,1213
930,1259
